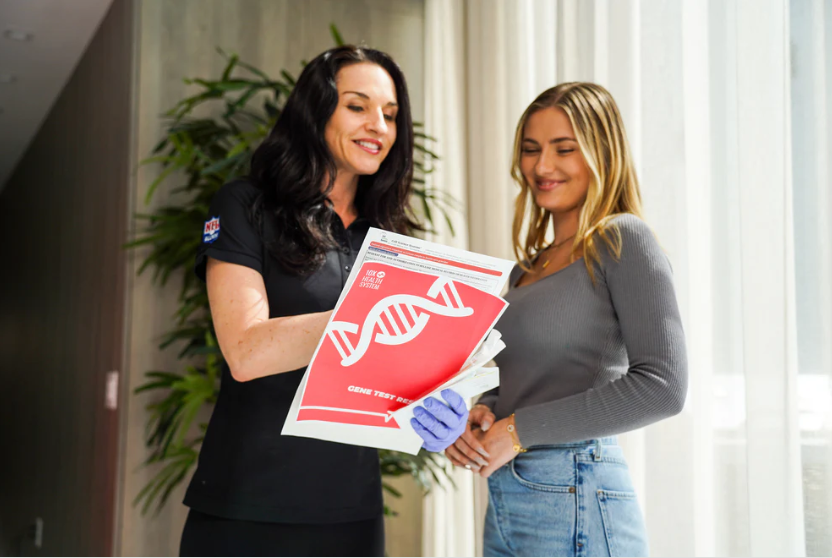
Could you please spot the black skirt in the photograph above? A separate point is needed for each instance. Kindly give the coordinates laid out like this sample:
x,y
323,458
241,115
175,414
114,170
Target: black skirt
x,y
208,535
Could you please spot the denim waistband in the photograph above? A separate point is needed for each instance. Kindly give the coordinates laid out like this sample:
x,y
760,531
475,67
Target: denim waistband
x,y
608,441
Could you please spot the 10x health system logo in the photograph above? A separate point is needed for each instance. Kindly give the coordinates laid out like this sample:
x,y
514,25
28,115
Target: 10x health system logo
x,y
372,279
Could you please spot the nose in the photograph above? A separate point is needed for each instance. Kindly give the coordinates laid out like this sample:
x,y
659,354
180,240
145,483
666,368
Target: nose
x,y
546,162
376,122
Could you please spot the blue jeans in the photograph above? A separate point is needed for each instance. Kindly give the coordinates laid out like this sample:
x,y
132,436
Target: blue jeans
x,y
565,500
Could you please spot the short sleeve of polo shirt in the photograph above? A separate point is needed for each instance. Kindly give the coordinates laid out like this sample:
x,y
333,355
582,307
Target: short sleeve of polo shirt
x,y
228,234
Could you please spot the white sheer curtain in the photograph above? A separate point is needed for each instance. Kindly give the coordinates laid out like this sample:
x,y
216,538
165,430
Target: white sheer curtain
x,y
449,522
811,92
727,106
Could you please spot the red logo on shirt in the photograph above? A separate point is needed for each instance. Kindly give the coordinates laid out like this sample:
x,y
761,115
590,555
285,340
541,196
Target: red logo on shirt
x,y
211,230
212,225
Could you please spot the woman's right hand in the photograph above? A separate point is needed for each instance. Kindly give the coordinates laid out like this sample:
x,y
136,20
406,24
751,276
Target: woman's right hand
x,y
467,451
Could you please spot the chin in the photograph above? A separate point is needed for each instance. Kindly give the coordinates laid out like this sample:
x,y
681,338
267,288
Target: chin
x,y
553,206
544,200
363,170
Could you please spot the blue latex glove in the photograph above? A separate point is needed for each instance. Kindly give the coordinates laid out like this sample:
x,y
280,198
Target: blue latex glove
x,y
438,424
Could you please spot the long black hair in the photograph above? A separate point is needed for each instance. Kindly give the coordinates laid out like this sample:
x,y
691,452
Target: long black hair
x,y
292,164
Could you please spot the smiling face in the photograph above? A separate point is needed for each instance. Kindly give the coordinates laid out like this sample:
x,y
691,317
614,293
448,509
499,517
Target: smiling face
x,y
551,162
362,129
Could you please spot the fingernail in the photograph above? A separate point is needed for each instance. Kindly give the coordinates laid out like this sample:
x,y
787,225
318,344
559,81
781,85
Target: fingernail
x,y
483,452
482,462
485,426
475,468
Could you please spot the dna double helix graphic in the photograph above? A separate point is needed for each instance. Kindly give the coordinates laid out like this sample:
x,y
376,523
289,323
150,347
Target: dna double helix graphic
x,y
446,302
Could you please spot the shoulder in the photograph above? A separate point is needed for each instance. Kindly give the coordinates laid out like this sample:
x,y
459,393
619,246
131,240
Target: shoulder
x,y
631,227
235,202
634,234
637,243
233,209
230,234
240,190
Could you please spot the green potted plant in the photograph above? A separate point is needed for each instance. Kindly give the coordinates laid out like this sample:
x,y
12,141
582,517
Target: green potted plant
x,y
203,153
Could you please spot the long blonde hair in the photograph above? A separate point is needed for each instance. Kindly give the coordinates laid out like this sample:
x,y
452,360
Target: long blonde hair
x,y
613,187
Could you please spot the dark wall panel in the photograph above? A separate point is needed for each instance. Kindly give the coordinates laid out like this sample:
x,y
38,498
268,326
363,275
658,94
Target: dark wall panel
x,y
63,219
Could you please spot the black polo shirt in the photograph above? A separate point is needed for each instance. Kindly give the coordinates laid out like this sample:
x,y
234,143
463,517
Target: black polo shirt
x,y
246,469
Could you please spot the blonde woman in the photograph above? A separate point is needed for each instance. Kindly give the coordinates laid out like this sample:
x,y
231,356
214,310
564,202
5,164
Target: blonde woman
x,y
595,345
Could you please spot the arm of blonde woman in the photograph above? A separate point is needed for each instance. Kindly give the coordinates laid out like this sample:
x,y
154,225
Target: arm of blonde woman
x,y
253,345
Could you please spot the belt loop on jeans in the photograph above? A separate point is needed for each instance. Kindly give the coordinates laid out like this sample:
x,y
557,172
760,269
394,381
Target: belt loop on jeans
x,y
598,449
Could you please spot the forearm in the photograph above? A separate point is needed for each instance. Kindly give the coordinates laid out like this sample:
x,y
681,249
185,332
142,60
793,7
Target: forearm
x,y
635,400
276,346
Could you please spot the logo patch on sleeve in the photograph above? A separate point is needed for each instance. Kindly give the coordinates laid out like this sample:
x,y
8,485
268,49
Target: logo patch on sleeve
x,y
211,231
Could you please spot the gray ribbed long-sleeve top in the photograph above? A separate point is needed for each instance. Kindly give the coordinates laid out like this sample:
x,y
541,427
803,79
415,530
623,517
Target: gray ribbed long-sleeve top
x,y
584,361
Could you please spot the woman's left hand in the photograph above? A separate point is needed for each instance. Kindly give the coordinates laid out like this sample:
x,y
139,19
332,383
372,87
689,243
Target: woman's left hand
x,y
499,445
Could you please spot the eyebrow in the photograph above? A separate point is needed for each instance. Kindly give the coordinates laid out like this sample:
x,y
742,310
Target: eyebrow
x,y
555,140
367,97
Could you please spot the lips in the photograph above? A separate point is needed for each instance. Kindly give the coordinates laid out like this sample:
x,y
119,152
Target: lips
x,y
369,145
549,185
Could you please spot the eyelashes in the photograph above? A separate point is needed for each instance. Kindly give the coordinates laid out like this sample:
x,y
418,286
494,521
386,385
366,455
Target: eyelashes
x,y
560,151
356,108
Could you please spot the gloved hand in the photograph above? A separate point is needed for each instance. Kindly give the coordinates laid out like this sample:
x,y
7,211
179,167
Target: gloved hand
x,y
438,424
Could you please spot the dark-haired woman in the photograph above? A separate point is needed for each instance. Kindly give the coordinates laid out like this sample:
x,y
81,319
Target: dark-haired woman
x,y
277,250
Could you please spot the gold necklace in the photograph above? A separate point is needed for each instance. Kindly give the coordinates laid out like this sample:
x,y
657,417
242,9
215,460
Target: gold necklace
x,y
556,246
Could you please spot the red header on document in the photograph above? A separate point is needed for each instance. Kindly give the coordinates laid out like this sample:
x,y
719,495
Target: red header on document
x,y
434,259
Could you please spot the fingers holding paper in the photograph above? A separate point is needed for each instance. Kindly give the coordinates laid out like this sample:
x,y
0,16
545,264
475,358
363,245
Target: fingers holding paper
x,y
438,424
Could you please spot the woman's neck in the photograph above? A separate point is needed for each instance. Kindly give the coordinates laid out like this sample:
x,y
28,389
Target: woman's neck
x,y
342,197
565,224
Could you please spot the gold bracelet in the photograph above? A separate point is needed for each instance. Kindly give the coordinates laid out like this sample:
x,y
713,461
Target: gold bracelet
x,y
513,431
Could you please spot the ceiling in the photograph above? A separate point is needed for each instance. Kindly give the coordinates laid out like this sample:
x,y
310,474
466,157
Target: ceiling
x,y
33,71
